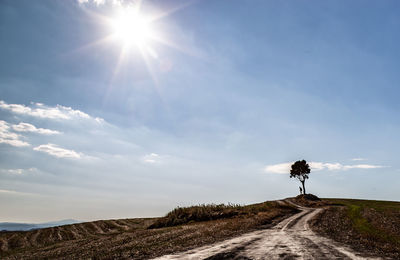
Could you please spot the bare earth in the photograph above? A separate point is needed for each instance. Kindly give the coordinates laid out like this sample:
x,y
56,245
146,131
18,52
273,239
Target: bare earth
x,y
290,239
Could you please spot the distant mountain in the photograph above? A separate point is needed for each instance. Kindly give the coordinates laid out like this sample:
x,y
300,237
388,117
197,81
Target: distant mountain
x,y
11,226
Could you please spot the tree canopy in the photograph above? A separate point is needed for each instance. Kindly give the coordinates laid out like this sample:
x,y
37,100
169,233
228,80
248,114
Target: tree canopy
x,y
300,170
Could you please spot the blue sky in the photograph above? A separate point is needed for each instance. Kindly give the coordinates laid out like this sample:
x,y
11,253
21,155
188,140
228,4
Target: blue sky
x,y
212,109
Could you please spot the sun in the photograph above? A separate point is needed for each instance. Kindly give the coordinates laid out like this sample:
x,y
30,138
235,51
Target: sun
x,y
136,29
130,27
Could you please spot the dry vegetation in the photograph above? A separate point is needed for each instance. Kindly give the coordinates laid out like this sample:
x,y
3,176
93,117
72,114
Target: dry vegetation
x,y
367,226
181,229
208,212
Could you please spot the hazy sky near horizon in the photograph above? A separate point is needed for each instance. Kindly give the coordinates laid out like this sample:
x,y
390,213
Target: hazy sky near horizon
x,y
212,106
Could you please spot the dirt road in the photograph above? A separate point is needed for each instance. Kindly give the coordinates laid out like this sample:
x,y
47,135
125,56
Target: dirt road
x,y
290,239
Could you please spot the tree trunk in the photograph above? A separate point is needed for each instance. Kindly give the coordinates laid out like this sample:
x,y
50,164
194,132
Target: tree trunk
x,y
304,188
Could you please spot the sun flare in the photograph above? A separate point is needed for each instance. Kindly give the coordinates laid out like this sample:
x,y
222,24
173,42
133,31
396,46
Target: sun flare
x,y
130,27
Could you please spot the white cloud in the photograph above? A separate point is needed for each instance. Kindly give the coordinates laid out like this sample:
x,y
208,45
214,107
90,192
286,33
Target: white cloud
x,y
284,168
101,2
18,171
43,111
362,166
358,159
26,127
4,131
14,139
8,137
99,120
15,171
318,166
16,143
7,191
279,168
13,192
151,158
57,151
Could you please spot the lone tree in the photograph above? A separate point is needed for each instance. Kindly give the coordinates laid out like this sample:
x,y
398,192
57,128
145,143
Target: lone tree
x,y
300,170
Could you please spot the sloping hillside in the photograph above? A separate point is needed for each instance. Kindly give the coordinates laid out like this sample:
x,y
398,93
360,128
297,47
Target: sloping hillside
x,y
132,238
10,241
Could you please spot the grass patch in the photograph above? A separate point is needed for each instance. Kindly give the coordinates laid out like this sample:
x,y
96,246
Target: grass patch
x,y
360,223
367,225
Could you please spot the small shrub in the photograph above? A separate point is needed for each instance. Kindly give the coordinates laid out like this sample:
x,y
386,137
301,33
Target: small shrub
x,y
308,196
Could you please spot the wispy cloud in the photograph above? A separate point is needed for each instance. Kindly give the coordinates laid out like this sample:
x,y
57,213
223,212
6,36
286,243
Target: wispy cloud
x,y
284,168
358,159
279,168
26,127
8,137
14,139
16,143
42,111
17,171
57,151
318,166
151,158
13,192
101,2
362,166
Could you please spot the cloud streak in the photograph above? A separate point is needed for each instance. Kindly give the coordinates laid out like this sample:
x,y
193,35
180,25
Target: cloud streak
x,y
56,151
284,168
18,171
14,139
358,159
10,138
151,158
42,111
26,127
101,2
13,192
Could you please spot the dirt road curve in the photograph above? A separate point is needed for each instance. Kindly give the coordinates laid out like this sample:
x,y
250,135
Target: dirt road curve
x,y
290,239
